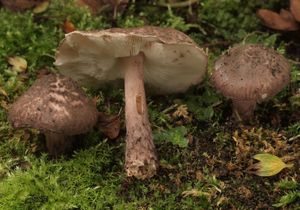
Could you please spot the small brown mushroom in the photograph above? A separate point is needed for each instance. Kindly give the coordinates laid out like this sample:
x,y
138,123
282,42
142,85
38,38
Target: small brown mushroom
x,y
56,106
250,74
166,60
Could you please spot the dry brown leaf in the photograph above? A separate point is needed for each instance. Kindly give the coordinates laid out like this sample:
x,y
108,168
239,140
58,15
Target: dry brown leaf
x,y
295,9
68,26
286,15
276,21
109,125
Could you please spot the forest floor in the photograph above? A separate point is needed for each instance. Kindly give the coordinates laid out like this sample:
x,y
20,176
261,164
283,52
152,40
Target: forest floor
x,y
204,155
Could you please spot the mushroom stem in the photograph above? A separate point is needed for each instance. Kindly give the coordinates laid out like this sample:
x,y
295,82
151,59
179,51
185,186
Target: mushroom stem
x,y
58,144
140,155
243,109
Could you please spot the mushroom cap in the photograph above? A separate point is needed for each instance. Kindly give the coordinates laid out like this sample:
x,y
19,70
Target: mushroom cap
x,y
250,72
54,103
173,61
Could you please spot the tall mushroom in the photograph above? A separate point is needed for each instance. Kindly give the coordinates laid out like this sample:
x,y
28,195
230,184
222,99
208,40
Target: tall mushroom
x,y
250,74
56,106
167,60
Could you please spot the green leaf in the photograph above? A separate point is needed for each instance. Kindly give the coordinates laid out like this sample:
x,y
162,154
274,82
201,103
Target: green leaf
x,y
269,165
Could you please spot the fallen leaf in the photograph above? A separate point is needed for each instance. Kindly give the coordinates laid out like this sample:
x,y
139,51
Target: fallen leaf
x,y
286,15
41,7
277,21
269,165
19,64
109,125
68,26
295,9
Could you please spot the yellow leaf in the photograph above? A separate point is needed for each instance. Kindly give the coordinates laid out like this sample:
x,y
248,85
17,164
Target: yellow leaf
x,y
19,64
269,165
42,7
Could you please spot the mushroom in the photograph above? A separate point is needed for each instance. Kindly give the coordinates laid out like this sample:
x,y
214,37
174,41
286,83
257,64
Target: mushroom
x,y
250,74
167,60
56,106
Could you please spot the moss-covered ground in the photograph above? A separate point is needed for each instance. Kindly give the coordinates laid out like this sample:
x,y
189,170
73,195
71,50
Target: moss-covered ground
x,y
203,154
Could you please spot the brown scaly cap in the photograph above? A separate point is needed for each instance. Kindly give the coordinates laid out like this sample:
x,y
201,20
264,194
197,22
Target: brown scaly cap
x,y
173,62
250,72
54,103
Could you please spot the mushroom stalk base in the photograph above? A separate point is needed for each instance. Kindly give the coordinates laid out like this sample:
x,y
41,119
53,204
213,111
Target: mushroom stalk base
x,y
140,155
243,109
58,144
